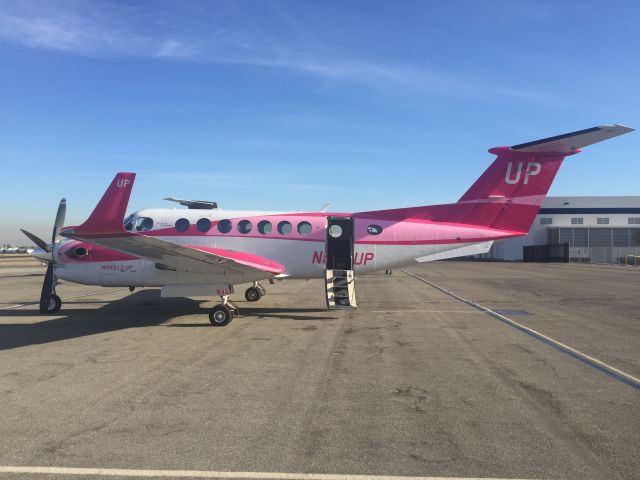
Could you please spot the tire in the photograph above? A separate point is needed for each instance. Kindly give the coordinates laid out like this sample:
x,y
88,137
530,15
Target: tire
x,y
54,305
253,294
220,315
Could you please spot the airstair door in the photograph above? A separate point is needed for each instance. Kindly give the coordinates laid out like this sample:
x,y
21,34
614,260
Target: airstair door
x,y
339,275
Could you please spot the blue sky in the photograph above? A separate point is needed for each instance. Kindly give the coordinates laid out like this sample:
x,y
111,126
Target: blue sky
x,y
289,104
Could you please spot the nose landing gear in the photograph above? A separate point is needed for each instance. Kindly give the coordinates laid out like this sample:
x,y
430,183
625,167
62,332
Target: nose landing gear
x,y
53,306
50,302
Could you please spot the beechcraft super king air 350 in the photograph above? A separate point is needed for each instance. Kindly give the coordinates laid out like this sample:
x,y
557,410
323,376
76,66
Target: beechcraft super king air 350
x,y
205,251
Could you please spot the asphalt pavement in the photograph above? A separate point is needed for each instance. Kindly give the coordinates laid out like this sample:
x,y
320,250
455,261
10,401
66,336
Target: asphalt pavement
x,y
413,383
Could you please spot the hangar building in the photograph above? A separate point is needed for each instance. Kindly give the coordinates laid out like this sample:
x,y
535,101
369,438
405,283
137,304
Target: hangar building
x,y
596,229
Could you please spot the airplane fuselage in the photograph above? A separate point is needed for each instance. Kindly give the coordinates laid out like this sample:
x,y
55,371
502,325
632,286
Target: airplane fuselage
x,y
295,240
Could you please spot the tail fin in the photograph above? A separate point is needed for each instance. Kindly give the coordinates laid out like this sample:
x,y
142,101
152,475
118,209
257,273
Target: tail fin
x,y
508,195
510,192
108,215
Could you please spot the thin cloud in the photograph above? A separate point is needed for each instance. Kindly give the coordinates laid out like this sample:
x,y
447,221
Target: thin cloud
x,y
173,48
99,30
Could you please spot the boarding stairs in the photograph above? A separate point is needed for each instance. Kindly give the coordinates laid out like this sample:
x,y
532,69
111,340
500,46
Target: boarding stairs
x,y
340,289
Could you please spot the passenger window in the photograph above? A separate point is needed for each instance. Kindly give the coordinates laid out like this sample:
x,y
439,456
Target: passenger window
x,y
284,228
203,225
304,228
143,224
182,225
374,229
224,226
244,226
264,227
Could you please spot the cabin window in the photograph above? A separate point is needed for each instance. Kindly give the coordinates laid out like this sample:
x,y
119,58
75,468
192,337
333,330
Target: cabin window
x,y
244,226
335,231
143,224
224,226
304,228
577,221
602,221
182,225
546,221
284,228
374,229
203,225
264,227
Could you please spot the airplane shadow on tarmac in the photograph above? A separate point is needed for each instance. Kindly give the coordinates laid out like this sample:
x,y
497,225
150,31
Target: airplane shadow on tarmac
x,y
140,309
282,313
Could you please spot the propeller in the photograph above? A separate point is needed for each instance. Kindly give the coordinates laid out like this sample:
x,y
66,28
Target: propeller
x,y
37,240
46,254
59,222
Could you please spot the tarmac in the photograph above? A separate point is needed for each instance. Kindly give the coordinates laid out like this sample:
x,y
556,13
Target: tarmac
x,y
416,382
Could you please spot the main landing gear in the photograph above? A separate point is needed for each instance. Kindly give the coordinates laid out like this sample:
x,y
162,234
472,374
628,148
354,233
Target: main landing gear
x,y
255,293
222,314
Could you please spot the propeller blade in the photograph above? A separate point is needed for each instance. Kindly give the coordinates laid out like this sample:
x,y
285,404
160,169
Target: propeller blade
x,y
37,240
47,289
59,223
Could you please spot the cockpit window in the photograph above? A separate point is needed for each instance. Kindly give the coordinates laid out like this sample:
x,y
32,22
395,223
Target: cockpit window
x,y
143,224
128,223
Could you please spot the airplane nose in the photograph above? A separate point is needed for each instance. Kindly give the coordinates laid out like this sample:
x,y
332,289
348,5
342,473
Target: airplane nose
x,y
42,254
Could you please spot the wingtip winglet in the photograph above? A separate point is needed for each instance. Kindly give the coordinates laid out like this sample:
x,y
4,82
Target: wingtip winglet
x,y
572,142
108,214
617,127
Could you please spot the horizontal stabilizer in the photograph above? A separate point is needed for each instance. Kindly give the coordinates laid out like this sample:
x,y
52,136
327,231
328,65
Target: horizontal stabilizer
x,y
473,249
570,142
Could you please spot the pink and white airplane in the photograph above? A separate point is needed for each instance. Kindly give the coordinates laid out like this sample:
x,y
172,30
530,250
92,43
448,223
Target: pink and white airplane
x,y
205,251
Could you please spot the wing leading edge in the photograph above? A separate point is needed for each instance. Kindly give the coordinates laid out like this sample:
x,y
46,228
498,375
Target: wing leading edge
x,y
104,228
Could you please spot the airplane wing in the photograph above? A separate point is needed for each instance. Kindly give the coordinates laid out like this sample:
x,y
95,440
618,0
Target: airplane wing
x,y
191,258
473,249
104,228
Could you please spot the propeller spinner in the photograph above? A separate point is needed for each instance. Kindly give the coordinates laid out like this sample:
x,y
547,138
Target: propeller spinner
x,y
49,301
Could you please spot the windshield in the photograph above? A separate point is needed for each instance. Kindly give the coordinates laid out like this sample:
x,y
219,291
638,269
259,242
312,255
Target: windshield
x,y
144,224
128,223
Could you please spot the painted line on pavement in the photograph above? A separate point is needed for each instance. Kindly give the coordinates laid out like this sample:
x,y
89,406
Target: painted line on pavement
x,y
66,298
425,311
113,472
572,352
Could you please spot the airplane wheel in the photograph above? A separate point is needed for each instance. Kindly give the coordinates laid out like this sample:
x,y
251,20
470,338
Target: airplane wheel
x,y
220,315
55,303
253,294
